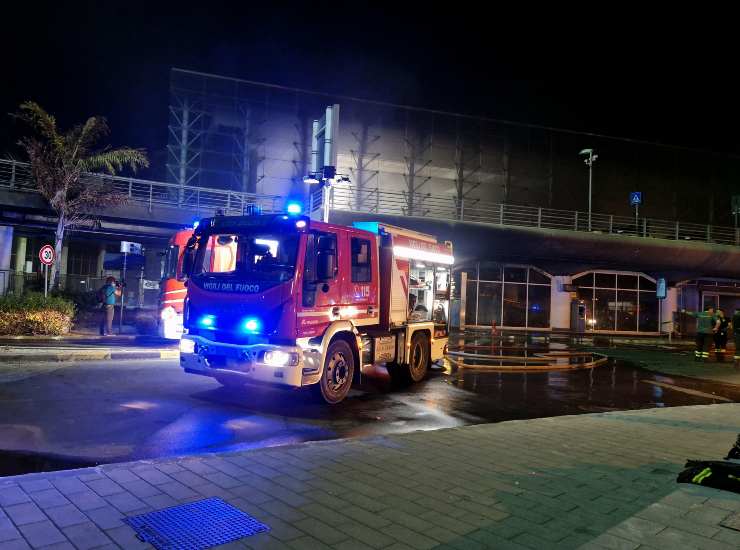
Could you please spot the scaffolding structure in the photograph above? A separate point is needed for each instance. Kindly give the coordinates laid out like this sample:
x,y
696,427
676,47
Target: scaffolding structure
x,y
243,136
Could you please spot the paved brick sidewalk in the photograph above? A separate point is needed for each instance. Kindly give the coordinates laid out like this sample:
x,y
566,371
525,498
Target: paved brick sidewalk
x,y
597,481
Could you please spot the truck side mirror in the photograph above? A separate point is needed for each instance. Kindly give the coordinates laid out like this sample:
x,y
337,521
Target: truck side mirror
x,y
325,265
188,261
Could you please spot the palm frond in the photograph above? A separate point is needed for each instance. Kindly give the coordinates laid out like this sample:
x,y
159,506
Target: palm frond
x,y
114,160
83,137
44,123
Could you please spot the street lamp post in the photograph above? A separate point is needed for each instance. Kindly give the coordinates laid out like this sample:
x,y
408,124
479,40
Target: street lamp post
x,y
589,160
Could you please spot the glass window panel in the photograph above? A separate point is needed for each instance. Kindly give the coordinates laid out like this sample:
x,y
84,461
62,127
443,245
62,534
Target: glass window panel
x,y
587,296
604,309
489,303
649,305
627,281
627,310
584,280
728,303
470,297
606,280
471,270
646,284
490,272
539,306
515,303
515,274
536,276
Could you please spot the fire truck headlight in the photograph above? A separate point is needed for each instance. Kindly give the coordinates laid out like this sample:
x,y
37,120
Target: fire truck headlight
x,y
207,321
187,346
280,358
168,313
250,325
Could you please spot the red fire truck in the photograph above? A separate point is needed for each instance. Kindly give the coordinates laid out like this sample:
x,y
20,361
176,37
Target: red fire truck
x,y
287,300
172,290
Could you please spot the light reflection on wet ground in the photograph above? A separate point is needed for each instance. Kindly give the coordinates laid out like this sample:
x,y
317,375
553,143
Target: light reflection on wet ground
x,y
130,410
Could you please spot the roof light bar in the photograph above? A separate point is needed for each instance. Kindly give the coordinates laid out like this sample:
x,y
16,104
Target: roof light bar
x,y
423,255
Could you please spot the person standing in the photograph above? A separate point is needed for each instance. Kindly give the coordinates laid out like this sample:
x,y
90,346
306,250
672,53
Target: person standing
x,y
705,327
735,324
720,336
107,296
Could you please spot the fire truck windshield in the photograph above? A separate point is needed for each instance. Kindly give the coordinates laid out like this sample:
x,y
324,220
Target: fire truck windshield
x,y
260,255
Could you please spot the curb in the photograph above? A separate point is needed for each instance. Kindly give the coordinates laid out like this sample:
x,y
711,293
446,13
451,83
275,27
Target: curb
x,y
88,355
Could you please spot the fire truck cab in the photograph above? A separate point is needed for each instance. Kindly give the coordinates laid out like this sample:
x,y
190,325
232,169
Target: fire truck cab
x,y
287,300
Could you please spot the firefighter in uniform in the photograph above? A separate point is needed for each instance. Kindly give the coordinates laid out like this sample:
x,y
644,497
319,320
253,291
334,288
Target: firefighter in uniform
x,y
735,323
705,327
720,335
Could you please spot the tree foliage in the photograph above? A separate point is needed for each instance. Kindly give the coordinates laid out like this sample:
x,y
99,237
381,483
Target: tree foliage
x,y
60,163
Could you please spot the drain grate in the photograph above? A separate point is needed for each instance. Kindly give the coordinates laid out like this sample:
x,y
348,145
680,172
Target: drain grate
x,y
195,526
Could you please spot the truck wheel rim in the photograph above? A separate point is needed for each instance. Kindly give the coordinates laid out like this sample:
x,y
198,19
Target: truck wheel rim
x,y
417,358
337,372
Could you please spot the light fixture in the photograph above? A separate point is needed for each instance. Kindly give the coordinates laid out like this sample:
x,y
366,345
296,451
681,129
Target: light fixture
x,y
423,255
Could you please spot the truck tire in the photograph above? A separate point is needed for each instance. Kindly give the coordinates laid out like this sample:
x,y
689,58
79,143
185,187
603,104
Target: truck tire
x,y
419,357
418,366
339,369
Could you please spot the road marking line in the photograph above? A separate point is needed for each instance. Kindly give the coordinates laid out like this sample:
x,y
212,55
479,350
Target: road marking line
x,y
688,391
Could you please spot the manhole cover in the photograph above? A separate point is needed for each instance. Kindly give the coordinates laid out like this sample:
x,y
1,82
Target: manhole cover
x,y
197,525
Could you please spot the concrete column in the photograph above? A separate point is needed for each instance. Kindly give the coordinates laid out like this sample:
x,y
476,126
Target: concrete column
x,y
100,266
6,247
21,244
667,307
560,302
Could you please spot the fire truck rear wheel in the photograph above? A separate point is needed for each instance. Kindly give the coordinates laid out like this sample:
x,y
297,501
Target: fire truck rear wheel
x,y
419,357
339,369
418,366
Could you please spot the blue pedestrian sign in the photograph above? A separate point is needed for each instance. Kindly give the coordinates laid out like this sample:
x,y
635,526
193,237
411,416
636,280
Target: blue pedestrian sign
x,y
635,198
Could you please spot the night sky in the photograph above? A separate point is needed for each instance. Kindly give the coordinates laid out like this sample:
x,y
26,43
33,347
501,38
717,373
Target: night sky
x,y
629,74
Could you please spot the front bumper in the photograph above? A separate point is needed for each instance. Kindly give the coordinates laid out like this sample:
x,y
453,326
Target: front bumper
x,y
211,358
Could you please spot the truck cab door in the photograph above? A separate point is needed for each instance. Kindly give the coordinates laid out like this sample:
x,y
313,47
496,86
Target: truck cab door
x,y
320,285
360,283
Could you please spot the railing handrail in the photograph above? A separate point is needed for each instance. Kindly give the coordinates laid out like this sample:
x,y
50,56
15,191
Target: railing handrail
x,y
349,197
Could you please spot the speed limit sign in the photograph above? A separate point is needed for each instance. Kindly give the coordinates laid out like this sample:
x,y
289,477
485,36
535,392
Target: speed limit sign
x,y
47,255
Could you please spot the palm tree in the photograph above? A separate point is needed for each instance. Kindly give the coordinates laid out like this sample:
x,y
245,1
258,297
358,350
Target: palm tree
x,y
61,163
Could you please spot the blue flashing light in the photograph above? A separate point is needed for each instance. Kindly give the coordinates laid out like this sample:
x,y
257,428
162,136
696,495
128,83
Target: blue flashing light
x,y
372,227
196,223
207,321
251,325
294,208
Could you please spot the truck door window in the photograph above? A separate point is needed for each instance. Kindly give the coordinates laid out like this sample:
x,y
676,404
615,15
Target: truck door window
x,y
361,272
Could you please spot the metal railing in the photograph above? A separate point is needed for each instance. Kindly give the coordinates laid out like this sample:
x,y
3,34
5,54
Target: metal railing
x,y
138,295
17,176
474,210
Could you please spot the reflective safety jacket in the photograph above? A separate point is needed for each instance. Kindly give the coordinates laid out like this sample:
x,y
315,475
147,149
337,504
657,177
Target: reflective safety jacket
x,y
704,321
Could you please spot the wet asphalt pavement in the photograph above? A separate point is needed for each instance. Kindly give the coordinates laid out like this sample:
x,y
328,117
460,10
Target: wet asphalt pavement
x,y
92,412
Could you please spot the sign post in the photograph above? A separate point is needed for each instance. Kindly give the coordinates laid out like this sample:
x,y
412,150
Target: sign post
x,y
126,249
636,200
46,257
735,207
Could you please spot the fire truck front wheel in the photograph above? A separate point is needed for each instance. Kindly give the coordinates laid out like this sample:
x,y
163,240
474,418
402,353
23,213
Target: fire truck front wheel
x,y
339,369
